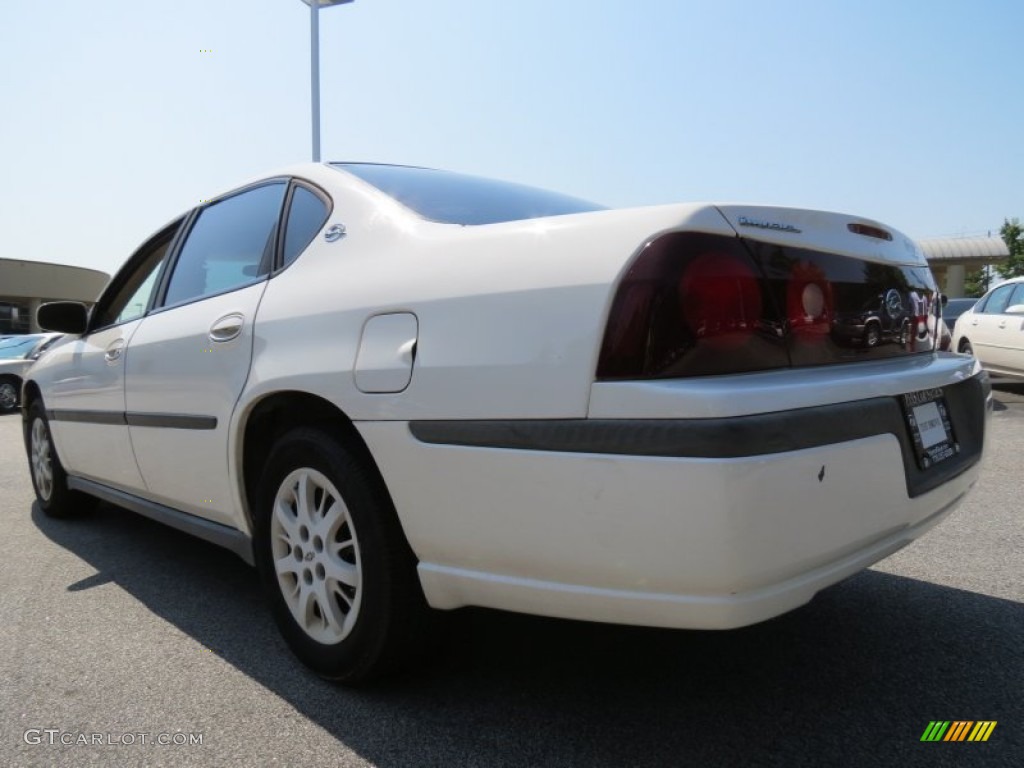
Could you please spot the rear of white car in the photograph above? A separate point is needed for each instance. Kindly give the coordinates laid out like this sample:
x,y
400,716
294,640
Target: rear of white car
x,y
738,451
417,388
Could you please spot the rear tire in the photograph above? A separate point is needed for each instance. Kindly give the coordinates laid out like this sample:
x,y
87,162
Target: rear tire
x,y
335,565
49,479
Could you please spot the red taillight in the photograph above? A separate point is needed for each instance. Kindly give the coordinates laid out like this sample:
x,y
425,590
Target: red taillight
x,y
691,305
695,305
720,298
625,339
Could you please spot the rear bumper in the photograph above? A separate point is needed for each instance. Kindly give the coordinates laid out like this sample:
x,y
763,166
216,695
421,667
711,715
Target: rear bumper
x,y
456,587
733,437
701,523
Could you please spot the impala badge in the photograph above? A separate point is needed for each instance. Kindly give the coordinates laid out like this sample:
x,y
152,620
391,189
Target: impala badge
x,y
773,225
334,232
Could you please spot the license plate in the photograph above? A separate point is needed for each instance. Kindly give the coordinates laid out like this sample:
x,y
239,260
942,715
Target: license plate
x,y
930,428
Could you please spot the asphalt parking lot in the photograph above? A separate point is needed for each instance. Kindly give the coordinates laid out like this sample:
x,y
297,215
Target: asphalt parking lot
x,y
115,626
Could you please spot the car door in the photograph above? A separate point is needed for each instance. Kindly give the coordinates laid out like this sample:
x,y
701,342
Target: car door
x,y
983,327
190,357
83,380
1007,345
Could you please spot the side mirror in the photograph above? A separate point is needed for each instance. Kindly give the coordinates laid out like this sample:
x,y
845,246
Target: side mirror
x,y
63,316
1016,309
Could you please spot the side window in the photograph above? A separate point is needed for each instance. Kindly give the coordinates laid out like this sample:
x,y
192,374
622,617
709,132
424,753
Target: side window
x,y
1018,296
133,289
230,245
998,301
306,214
137,302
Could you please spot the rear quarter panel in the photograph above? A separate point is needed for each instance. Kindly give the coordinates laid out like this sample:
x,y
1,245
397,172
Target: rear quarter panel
x,y
510,316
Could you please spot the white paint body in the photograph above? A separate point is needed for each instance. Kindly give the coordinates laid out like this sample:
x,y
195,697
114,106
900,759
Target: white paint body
x,y
507,322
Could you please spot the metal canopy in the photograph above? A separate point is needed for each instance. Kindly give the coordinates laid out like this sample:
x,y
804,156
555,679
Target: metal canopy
x,y
964,250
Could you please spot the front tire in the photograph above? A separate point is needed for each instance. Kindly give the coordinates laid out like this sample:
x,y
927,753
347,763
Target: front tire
x,y
966,348
49,479
338,572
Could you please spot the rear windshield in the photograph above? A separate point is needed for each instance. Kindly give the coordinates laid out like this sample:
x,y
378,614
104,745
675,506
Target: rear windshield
x,y
453,198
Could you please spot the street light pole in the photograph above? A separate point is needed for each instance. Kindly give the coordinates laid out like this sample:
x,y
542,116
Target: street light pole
x,y
314,74
314,65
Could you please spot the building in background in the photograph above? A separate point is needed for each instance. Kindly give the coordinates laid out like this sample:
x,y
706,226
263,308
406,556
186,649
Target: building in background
x,y
951,258
24,285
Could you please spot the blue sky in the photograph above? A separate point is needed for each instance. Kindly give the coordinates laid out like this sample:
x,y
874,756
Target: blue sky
x,y
115,118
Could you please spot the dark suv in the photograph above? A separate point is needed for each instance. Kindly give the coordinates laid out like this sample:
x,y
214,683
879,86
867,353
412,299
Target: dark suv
x,y
885,317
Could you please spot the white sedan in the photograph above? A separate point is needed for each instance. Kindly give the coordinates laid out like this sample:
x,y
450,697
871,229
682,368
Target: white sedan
x,y
397,389
993,330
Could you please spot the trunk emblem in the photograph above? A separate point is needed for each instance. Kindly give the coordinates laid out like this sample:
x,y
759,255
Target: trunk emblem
x,y
773,225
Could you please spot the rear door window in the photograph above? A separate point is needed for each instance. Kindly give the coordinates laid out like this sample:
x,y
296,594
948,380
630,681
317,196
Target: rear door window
x,y
230,245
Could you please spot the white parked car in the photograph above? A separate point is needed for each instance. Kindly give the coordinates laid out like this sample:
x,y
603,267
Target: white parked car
x,y
17,354
394,389
993,330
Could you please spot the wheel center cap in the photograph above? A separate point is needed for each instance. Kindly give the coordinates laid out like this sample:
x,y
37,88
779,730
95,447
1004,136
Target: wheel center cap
x,y
309,556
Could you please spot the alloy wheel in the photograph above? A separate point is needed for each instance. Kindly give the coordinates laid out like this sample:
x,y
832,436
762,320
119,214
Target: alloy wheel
x,y
41,457
316,555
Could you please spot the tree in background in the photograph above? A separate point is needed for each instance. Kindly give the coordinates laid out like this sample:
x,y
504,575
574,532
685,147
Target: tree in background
x,y
1013,235
977,282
